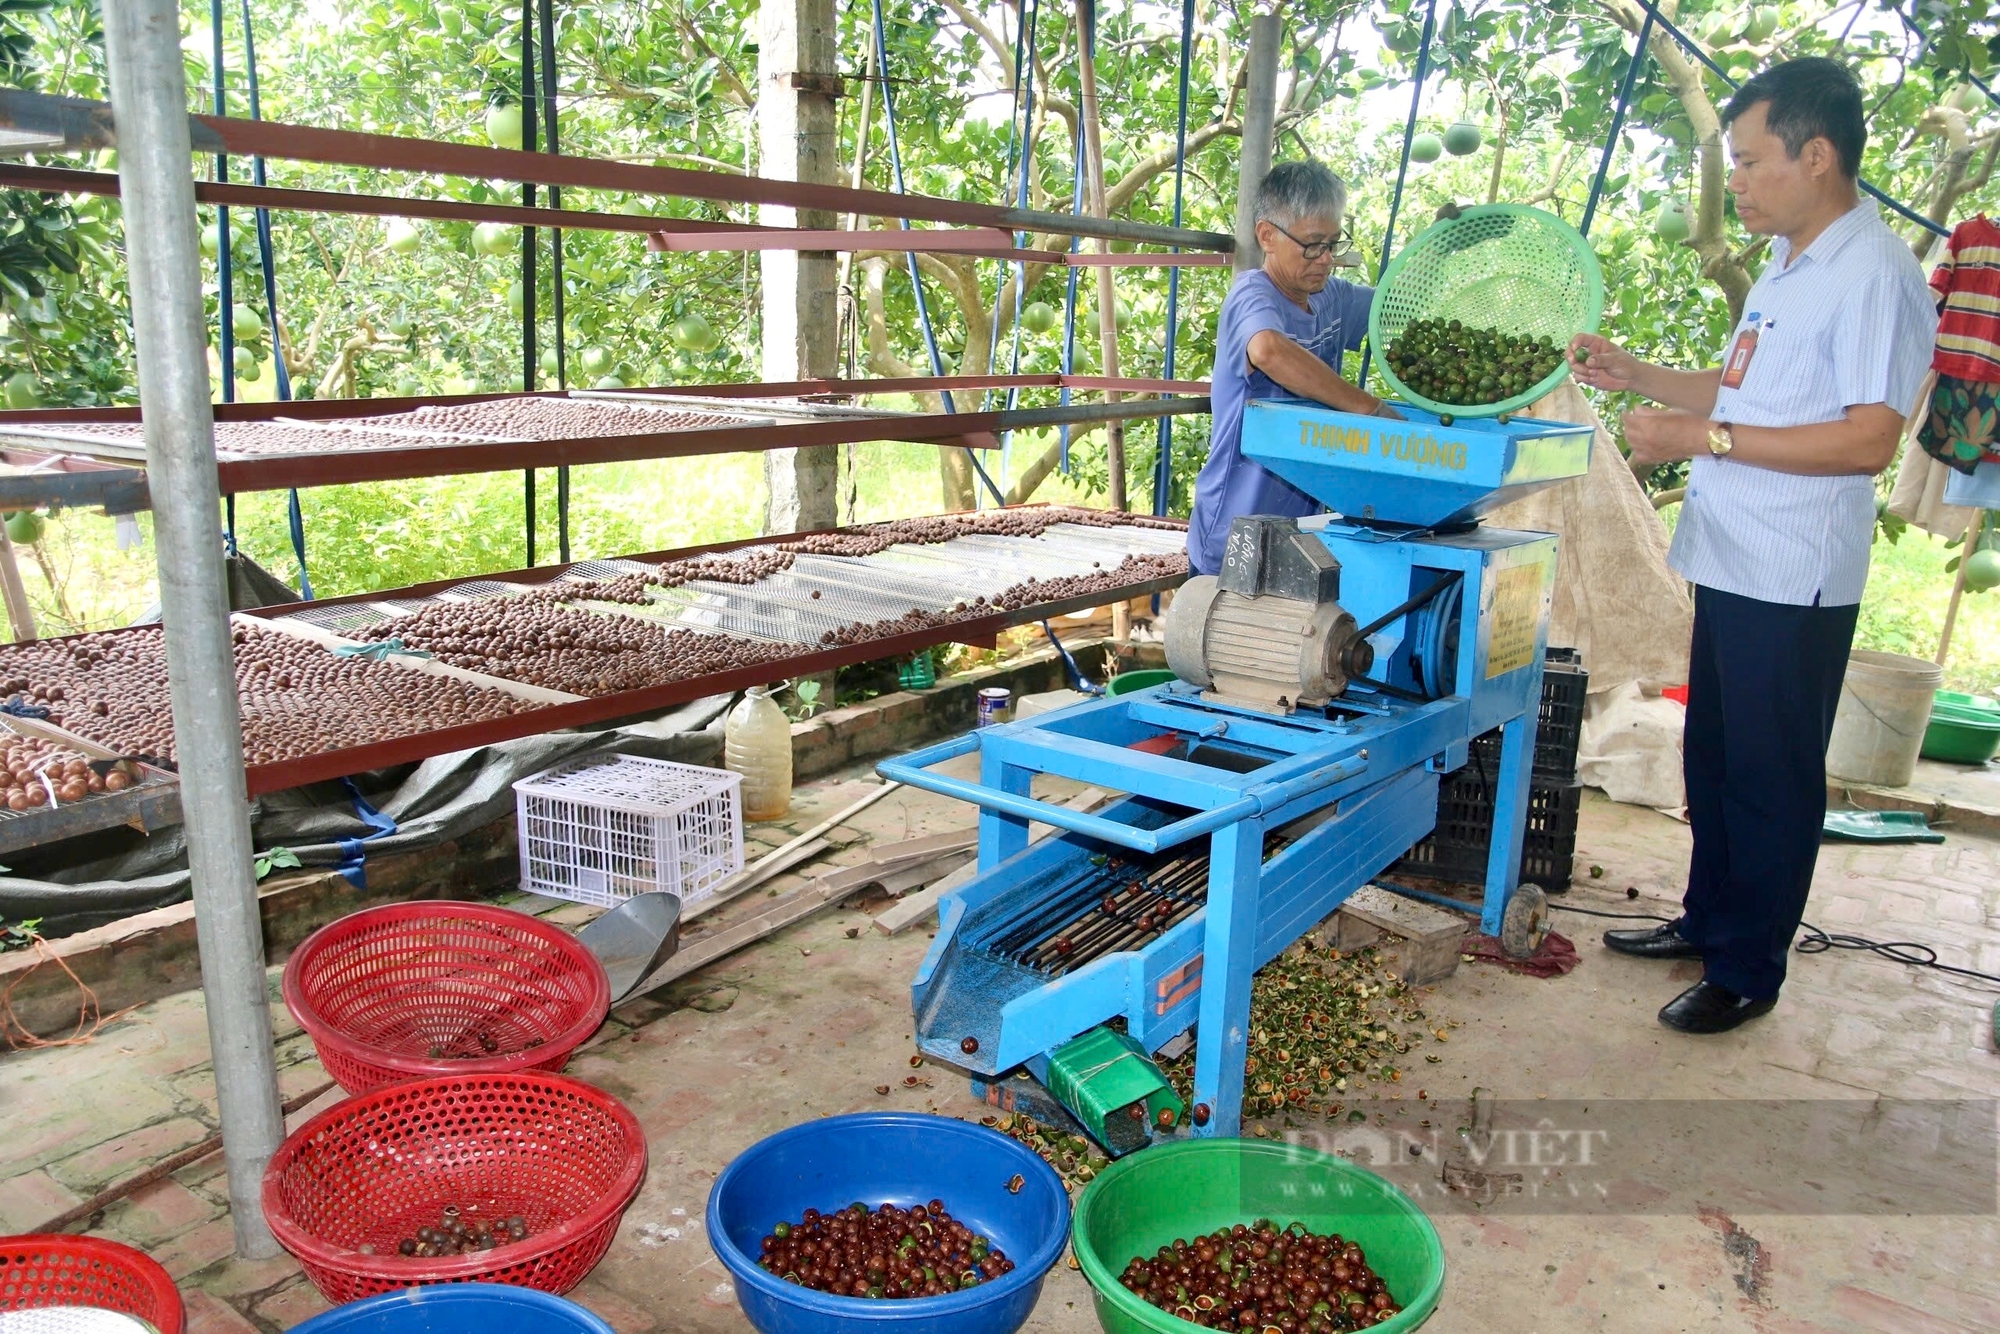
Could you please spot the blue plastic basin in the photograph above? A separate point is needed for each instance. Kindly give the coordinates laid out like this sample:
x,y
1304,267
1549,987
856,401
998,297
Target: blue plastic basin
x,y
457,1308
897,1158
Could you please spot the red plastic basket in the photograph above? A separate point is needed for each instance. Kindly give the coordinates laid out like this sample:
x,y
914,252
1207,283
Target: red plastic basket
x,y
564,1156
418,990
42,1269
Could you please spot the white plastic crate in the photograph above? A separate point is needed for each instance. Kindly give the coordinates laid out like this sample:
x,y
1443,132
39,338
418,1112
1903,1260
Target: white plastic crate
x,y
602,829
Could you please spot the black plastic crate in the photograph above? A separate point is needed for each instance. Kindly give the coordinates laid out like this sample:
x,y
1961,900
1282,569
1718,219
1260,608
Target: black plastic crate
x,y
1457,848
1559,727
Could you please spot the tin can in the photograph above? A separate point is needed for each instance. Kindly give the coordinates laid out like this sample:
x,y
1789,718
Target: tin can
x,y
993,701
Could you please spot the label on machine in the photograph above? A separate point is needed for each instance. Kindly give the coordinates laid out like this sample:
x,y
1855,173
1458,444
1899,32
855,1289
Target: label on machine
x,y
1517,615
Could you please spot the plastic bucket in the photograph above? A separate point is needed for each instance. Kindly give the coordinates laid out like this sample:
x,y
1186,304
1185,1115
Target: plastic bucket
x,y
1878,730
1127,682
467,1308
1142,1202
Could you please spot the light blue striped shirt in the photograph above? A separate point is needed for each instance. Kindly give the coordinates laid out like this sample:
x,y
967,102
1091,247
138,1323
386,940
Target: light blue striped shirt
x,y
1849,322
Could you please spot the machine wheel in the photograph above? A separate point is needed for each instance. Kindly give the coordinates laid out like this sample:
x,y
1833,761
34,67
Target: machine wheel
x,y
1525,923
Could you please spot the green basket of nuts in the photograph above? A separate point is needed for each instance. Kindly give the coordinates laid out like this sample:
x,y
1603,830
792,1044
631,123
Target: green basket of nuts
x,y
1474,317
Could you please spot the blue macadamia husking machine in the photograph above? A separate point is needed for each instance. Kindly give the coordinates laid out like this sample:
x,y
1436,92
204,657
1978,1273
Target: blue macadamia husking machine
x,y
1328,675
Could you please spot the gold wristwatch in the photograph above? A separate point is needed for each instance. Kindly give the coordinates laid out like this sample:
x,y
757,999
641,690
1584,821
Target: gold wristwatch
x,y
1720,438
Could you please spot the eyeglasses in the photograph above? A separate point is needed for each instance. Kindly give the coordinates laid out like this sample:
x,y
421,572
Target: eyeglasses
x,y
1314,251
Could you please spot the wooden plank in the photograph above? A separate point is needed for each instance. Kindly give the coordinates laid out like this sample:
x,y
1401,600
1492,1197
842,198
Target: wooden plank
x,y
900,917
912,850
785,856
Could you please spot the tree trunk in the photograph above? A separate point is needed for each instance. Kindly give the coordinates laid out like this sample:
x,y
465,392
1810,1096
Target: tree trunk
x,y
1499,158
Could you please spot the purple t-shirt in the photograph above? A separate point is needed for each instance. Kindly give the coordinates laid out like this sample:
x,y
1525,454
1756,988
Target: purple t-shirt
x,y
1231,485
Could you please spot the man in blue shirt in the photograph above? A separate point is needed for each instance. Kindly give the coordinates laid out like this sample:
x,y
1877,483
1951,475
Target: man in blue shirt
x,y
1786,438
1283,330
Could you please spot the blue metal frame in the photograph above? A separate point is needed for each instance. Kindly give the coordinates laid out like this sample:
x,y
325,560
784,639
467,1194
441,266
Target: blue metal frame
x,y
1351,786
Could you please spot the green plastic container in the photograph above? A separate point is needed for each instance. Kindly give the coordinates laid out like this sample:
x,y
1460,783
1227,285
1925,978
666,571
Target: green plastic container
x,y
1127,682
1977,703
1143,1202
1958,734
1495,266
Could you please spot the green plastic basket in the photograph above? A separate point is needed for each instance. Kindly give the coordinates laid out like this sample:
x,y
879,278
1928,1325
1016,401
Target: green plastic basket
x,y
1497,266
1142,1202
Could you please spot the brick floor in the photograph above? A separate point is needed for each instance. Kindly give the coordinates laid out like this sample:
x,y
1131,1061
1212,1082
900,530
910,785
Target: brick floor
x,y
708,1081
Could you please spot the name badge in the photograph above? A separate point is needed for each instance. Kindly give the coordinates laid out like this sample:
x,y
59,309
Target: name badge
x,y
1737,364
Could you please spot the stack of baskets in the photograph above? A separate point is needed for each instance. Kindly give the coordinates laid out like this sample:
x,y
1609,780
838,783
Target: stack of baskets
x,y
1456,850
448,1023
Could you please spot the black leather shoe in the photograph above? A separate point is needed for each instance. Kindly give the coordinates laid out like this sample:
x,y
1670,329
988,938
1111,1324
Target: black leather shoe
x,y
1659,942
1708,1008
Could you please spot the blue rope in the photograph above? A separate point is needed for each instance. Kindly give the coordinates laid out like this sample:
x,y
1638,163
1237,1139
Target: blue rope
x,y
1689,45
1617,122
1088,14
528,368
1163,464
916,274
1016,137
547,22
225,295
295,519
1077,680
1403,168
354,851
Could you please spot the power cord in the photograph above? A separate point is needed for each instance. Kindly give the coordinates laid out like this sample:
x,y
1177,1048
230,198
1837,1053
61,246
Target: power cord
x,y
1816,941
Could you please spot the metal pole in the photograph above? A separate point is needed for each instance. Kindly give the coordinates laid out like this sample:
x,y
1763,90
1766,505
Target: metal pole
x,y
149,101
1260,113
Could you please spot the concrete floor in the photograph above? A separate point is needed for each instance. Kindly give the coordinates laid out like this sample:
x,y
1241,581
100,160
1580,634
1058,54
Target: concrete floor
x,y
809,1022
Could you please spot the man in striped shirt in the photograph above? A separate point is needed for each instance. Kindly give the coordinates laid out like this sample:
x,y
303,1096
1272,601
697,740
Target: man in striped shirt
x,y
1786,438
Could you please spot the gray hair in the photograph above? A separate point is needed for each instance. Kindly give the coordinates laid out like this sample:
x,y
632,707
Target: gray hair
x,y
1294,191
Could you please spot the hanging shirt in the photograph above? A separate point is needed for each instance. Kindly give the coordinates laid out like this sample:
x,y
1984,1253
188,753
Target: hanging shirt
x,y
1967,279
1231,485
1847,322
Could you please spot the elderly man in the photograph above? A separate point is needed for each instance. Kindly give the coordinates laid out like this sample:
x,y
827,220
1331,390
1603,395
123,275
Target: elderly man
x,y
1787,436
1283,330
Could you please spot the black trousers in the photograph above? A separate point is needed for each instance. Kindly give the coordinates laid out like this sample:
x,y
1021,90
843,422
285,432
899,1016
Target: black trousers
x,y
1763,681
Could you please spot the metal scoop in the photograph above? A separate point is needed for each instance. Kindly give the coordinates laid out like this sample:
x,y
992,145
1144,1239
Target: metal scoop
x,y
633,939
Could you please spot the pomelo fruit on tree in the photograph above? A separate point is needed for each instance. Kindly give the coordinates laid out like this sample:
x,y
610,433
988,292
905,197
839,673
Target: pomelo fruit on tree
x,y
245,362
609,382
24,527
1982,570
635,208
1672,225
1763,22
409,386
503,124
595,360
517,298
399,325
211,240
403,236
247,324
1425,148
694,334
22,391
1461,139
1038,317
492,238
548,360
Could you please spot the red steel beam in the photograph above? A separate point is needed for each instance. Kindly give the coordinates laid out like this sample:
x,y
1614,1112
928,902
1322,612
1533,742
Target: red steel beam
x,y
972,429
604,708
1139,260
324,409
272,139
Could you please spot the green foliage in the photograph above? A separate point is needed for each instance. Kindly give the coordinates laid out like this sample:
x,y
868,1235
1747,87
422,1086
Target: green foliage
x,y
806,694
275,859
18,935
